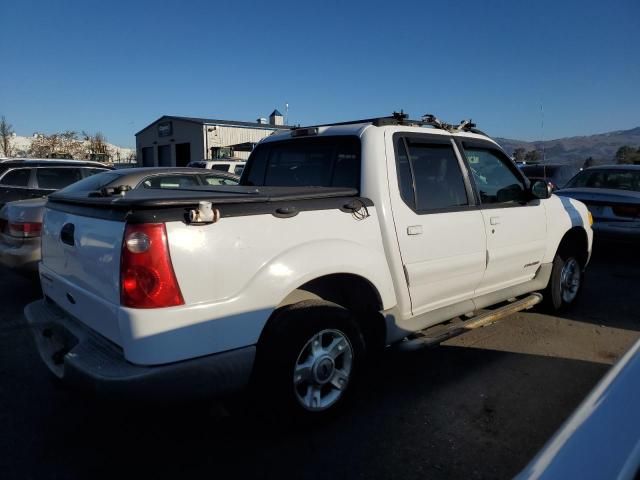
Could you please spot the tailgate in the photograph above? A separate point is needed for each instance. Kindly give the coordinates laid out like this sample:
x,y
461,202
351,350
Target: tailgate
x,y
81,267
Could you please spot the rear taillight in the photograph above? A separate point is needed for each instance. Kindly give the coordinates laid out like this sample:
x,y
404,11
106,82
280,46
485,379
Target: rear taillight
x,y
25,229
147,279
626,211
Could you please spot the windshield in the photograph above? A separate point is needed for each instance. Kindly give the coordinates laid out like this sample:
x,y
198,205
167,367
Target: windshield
x,y
92,183
315,161
613,179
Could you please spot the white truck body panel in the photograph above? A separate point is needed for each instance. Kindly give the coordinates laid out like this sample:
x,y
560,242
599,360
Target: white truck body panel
x,y
235,272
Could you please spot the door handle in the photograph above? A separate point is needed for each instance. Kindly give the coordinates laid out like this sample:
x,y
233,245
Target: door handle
x,y
494,220
414,230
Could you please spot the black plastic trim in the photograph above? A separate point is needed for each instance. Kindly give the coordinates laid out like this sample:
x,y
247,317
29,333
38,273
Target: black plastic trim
x,y
280,209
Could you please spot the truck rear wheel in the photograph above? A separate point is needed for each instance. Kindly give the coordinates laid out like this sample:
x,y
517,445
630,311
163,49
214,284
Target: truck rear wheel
x,y
308,359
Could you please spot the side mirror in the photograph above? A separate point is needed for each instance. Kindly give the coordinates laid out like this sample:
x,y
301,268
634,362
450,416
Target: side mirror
x,y
540,189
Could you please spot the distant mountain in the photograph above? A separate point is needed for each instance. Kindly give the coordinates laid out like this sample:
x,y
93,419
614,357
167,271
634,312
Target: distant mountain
x,y
575,150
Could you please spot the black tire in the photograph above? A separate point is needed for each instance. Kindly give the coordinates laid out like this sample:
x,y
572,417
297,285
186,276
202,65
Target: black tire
x,y
557,297
285,345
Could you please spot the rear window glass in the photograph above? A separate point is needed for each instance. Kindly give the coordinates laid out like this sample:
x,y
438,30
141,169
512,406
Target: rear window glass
x,y
171,181
17,178
56,178
215,180
93,183
613,179
221,166
319,162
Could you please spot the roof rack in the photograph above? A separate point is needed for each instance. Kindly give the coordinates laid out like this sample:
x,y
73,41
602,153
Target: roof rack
x,y
401,118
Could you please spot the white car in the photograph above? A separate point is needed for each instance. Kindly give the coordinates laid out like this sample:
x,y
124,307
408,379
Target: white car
x,y
230,165
340,240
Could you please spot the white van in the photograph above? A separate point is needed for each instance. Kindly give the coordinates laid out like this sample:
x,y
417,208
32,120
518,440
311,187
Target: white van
x,y
230,165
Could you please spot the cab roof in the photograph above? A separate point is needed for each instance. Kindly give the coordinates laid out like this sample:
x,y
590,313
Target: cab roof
x,y
397,121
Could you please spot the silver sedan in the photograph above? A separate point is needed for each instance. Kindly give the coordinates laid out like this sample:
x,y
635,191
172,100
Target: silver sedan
x,y
21,221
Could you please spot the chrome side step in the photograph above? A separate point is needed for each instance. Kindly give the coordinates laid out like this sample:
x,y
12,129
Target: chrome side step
x,y
439,333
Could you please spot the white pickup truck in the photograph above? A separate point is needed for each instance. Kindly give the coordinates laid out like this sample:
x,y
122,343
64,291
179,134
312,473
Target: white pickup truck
x,y
341,239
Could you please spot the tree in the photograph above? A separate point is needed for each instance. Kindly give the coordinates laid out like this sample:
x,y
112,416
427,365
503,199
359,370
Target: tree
x,y
625,154
519,154
97,147
61,145
589,162
6,132
532,156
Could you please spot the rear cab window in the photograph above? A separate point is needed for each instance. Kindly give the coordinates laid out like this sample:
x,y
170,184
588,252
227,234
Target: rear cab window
x,y
330,161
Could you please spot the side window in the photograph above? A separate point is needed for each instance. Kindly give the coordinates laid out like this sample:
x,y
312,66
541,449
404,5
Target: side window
x,y
57,178
495,181
429,176
171,181
17,178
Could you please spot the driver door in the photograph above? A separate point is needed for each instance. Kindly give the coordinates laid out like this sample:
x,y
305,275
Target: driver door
x,y
515,225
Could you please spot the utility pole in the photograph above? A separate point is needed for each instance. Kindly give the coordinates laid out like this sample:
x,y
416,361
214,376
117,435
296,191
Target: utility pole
x,y
542,131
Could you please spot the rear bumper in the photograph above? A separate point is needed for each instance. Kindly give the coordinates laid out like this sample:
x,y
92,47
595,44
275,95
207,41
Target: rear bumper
x,y
84,359
23,257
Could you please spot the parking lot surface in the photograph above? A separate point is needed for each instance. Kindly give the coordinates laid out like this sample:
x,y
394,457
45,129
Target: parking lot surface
x,y
479,406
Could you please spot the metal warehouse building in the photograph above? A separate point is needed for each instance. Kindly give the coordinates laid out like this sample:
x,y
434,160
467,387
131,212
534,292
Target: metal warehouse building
x,y
176,141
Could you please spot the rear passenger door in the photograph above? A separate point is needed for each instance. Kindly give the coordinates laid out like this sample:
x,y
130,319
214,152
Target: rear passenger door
x,y
439,227
515,224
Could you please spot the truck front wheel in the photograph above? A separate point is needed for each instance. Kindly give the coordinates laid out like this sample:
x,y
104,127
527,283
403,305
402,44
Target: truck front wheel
x,y
565,282
308,359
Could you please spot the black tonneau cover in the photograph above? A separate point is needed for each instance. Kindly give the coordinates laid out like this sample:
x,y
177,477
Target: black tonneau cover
x,y
143,198
163,205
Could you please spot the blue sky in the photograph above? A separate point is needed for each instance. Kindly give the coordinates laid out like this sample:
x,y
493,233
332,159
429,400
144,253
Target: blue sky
x,y
116,66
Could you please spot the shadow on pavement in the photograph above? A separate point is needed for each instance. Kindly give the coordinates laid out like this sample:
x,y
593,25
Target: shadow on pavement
x,y
444,412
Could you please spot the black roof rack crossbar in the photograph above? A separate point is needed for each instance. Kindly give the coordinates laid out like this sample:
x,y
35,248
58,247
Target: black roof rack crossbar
x,y
401,118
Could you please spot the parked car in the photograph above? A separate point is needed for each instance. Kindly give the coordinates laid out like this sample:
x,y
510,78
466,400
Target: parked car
x,y
557,175
231,165
341,239
601,439
612,194
33,178
21,221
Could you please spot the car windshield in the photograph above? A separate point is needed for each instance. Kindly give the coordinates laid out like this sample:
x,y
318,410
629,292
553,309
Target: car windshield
x,y
92,183
613,179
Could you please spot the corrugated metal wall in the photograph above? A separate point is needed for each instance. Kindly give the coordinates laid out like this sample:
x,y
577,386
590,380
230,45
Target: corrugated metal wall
x,y
223,136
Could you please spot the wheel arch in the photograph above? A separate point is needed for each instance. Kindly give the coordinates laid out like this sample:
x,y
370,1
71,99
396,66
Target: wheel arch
x,y
575,241
351,291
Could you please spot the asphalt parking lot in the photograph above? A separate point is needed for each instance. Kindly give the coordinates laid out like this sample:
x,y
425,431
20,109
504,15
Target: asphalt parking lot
x,y
479,406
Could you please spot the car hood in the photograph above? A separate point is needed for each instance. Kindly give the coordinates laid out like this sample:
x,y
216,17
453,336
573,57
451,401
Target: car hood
x,y
601,195
30,210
